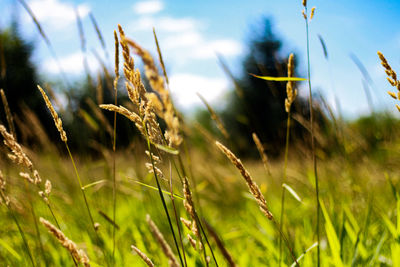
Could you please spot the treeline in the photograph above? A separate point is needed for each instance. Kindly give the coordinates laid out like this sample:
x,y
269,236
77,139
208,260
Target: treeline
x,y
254,106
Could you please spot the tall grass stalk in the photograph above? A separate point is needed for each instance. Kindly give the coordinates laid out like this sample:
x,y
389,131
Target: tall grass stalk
x,y
161,60
85,199
115,140
198,220
38,239
176,213
161,195
196,215
313,137
291,94
181,164
283,189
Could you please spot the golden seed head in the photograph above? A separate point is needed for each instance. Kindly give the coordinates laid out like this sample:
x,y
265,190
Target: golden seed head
x,y
312,13
261,151
18,155
186,223
163,108
162,242
189,206
116,47
304,14
192,241
54,114
392,94
79,255
392,77
142,255
48,187
304,3
290,91
7,110
392,83
150,169
253,187
156,159
3,182
4,199
27,177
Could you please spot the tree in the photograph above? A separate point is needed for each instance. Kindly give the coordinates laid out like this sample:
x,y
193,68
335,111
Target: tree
x,y
258,105
19,79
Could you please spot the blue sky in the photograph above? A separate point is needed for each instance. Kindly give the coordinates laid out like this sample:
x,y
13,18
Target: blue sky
x,y
191,32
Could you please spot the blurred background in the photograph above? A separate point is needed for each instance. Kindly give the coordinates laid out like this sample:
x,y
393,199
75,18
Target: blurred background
x,y
209,48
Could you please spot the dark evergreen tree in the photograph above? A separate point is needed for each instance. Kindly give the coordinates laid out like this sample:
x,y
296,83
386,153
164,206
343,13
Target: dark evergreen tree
x,y
258,105
19,79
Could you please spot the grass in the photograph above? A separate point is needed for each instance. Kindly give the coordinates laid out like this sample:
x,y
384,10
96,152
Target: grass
x,y
250,238
202,213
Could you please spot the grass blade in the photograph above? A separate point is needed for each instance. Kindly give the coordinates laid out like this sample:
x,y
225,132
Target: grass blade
x,y
279,79
332,237
292,192
10,250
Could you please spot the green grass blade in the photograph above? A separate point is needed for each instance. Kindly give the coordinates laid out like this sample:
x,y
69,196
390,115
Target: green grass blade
x,y
10,250
156,189
93,184
332,237
167,149
279,79
304,253
292,192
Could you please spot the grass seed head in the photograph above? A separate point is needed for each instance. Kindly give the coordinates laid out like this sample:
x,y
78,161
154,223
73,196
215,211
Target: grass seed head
x,y
290,90
143,256
78,254
189,206
9,116
253,187
162,242
192,241
261,151
18,156
312,13
57,120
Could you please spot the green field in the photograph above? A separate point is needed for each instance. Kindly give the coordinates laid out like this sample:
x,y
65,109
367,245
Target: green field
x,y
179,195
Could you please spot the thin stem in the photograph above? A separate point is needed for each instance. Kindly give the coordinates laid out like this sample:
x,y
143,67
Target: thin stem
x,y
283,190
38,234
278,227
176,214
162,197
114,175
197,219
313,141
85,199
208,243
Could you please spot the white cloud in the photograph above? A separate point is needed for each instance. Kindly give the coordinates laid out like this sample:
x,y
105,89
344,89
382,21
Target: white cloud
x,y
184,87
56,13
167,24
186,39
192,45
148,7
171,24
224,47
71,64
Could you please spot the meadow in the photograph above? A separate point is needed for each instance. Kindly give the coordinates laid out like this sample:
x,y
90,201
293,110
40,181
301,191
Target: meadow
x,y
166,201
